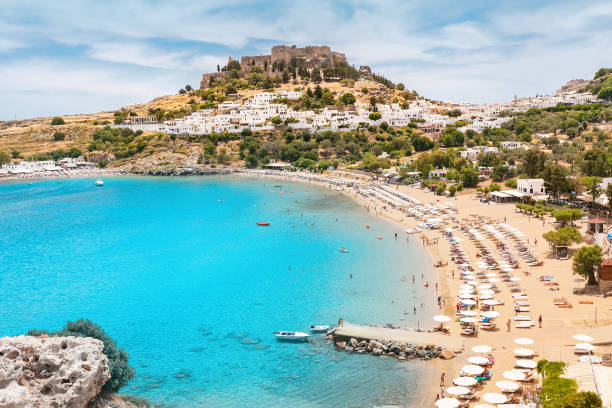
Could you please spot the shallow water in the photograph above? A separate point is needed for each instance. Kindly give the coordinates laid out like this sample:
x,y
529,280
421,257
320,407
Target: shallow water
x,y
194,290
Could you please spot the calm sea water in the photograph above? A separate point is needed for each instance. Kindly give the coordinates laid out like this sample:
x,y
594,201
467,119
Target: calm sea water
x,y
194,290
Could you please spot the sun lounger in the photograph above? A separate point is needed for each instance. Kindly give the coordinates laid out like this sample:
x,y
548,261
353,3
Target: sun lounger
x,y
522,318
566,306
524,309
521,297
525,324
522,302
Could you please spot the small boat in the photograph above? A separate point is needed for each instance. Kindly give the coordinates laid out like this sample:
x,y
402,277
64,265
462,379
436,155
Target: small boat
x,y
319,328
291,336
99,183
278,186
343,249
263,223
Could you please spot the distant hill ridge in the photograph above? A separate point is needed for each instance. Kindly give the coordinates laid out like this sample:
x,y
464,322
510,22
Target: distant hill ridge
x,y
600,85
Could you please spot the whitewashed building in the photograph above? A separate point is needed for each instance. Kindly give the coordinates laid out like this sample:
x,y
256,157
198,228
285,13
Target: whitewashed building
x,y
531,186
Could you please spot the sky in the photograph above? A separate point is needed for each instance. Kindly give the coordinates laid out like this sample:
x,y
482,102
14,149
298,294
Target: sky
x,y
69,57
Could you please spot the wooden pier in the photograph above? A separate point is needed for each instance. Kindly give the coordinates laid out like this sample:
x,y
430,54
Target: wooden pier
x,y
348,330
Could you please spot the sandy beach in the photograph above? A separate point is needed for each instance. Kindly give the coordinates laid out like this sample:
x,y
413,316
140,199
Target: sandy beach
x,y
589,314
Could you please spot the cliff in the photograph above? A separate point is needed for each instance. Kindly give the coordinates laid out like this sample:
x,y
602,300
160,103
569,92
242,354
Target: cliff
x,y
51,372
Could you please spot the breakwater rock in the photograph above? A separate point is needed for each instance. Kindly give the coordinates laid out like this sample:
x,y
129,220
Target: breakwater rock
x,y
51,372
402,351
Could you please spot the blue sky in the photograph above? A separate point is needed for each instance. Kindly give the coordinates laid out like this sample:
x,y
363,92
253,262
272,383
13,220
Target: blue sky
x,y
65,57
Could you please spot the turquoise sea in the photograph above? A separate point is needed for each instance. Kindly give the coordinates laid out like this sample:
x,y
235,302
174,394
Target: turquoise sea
x,y
177,272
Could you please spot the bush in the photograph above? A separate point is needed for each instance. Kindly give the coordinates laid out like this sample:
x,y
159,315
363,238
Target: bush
x,y
57,121
58,136
511,183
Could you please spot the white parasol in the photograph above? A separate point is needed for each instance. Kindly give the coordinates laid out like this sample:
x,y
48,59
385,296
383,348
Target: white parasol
x,y
515,375
465,296
441,318
493,280
485,297
515,279
583,338
585,346
490,275
483,406
481,348
478,360
523,341
458,390
490,302
523,352
484,286
494,398
491,313
487,292
525,363
465,381
468,302
466,286
506,385
447,403
472,369
468,320
468,313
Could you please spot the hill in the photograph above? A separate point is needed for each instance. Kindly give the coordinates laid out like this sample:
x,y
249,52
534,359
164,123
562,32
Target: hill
x,y
600,85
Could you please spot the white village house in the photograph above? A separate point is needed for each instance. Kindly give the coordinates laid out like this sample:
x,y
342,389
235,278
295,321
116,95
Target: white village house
x,y
531,186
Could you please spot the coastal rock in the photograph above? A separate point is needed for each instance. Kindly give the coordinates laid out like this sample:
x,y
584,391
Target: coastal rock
x,y
57,372
377,351
348,348
353,342
341,344
447,354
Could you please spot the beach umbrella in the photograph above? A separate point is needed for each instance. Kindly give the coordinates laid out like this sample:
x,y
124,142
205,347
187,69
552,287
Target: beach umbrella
x,y
465,381
523,352
468,313
585,346
472,282
508,269
483,406
487,292
525,363
465,296
523,341
493,280
466,291
441,318
466,286
458,390
485,297
490,302
484,286
481,348
490,275
506,385
447,403
494,398
491,313
478,360
515,375
472,369
583,338
468,302
468,320
515,279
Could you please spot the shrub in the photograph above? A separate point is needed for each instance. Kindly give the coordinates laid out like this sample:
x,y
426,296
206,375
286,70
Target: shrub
x,y
511,183
58,136
121,372
57,121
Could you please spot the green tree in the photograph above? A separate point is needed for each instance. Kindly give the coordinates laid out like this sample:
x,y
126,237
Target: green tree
x,y
563,237
276,120
374,116
609,194
533,161
347,98
188,88
593,186
57,121
370,161
315,75
469,176
555,179
586,261
4,157
58,136
251,161
605,93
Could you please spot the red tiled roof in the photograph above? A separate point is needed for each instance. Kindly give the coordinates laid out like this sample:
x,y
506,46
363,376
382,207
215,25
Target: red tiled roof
x,y
596,221
606,262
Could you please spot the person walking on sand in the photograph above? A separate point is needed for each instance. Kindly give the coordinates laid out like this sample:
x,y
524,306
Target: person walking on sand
x,y
442,380
340,321
414,309
508,325
540,321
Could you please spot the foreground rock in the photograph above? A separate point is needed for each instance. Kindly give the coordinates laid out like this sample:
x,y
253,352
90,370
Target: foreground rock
x,y
402,351
51,372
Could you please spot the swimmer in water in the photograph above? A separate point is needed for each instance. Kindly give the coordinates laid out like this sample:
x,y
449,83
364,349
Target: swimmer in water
x,y
350,275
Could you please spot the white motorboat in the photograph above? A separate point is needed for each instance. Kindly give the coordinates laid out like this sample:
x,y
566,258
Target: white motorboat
x,y
291,336
99,183
343,249
319,328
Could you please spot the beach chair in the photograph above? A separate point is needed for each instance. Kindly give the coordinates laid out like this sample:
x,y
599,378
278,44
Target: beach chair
x,y
522,318
524,309
525,324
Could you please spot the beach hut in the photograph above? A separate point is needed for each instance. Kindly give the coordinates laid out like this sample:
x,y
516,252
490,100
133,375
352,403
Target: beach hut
x,y
596,225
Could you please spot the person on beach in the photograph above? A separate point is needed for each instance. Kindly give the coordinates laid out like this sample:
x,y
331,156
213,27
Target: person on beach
x,y
340,321
508,325
540,321
442,380
414,309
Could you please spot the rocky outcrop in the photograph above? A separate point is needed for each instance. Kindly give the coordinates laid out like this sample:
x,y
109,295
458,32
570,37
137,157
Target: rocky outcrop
x,y
51,372
180,171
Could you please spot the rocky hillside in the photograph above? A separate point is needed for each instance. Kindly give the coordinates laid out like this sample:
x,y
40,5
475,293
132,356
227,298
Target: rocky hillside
x,y
602,79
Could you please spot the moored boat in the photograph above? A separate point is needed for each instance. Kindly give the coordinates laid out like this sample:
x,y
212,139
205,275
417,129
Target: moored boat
x,y
263,223
99,183
319,328
291,336
343,249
